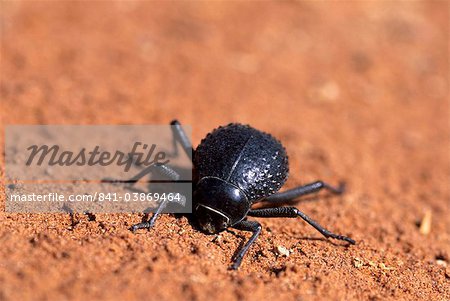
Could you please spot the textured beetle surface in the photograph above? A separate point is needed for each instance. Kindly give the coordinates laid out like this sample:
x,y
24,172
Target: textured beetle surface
x,y
252,160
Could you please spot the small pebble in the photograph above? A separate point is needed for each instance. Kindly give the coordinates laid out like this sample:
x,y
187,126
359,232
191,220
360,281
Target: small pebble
x,y
425,225
441,262
283,251
357,262
384,267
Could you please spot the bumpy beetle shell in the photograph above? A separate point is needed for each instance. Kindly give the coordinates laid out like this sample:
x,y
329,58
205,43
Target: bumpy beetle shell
x,y
252,160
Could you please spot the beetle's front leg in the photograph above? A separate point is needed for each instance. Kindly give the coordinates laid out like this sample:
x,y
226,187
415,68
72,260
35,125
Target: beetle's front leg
x,y
151,222
252,226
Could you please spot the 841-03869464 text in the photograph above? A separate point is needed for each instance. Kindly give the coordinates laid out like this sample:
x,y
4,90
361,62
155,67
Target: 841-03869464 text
x,y
99,197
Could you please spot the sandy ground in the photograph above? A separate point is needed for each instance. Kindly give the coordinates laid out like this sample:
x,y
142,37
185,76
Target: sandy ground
x,y
356,91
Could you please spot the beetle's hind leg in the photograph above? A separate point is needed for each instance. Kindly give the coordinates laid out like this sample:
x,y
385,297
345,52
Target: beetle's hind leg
x,y
294,212
296,192
251,226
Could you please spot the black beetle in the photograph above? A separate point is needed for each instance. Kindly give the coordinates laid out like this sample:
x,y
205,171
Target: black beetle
x,y
236,166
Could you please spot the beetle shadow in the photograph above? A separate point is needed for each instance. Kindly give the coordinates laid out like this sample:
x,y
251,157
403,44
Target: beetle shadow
x,y
242,242
343,244
244,239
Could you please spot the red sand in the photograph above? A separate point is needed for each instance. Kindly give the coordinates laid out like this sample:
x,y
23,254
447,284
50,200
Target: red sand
x,y
356,91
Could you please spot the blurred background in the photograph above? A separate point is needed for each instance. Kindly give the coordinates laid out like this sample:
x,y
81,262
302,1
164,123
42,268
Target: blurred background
x,y
355,90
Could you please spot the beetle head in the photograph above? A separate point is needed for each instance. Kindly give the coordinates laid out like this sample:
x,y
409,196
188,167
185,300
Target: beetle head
x,y
218,205
210,220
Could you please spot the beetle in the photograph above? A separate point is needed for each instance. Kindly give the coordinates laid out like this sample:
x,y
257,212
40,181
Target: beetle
x,y
234,167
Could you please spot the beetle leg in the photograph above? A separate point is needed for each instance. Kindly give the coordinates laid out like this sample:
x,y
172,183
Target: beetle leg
x,y
152,220
303,190
294,212
165,170
161,168
181,137
252,226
